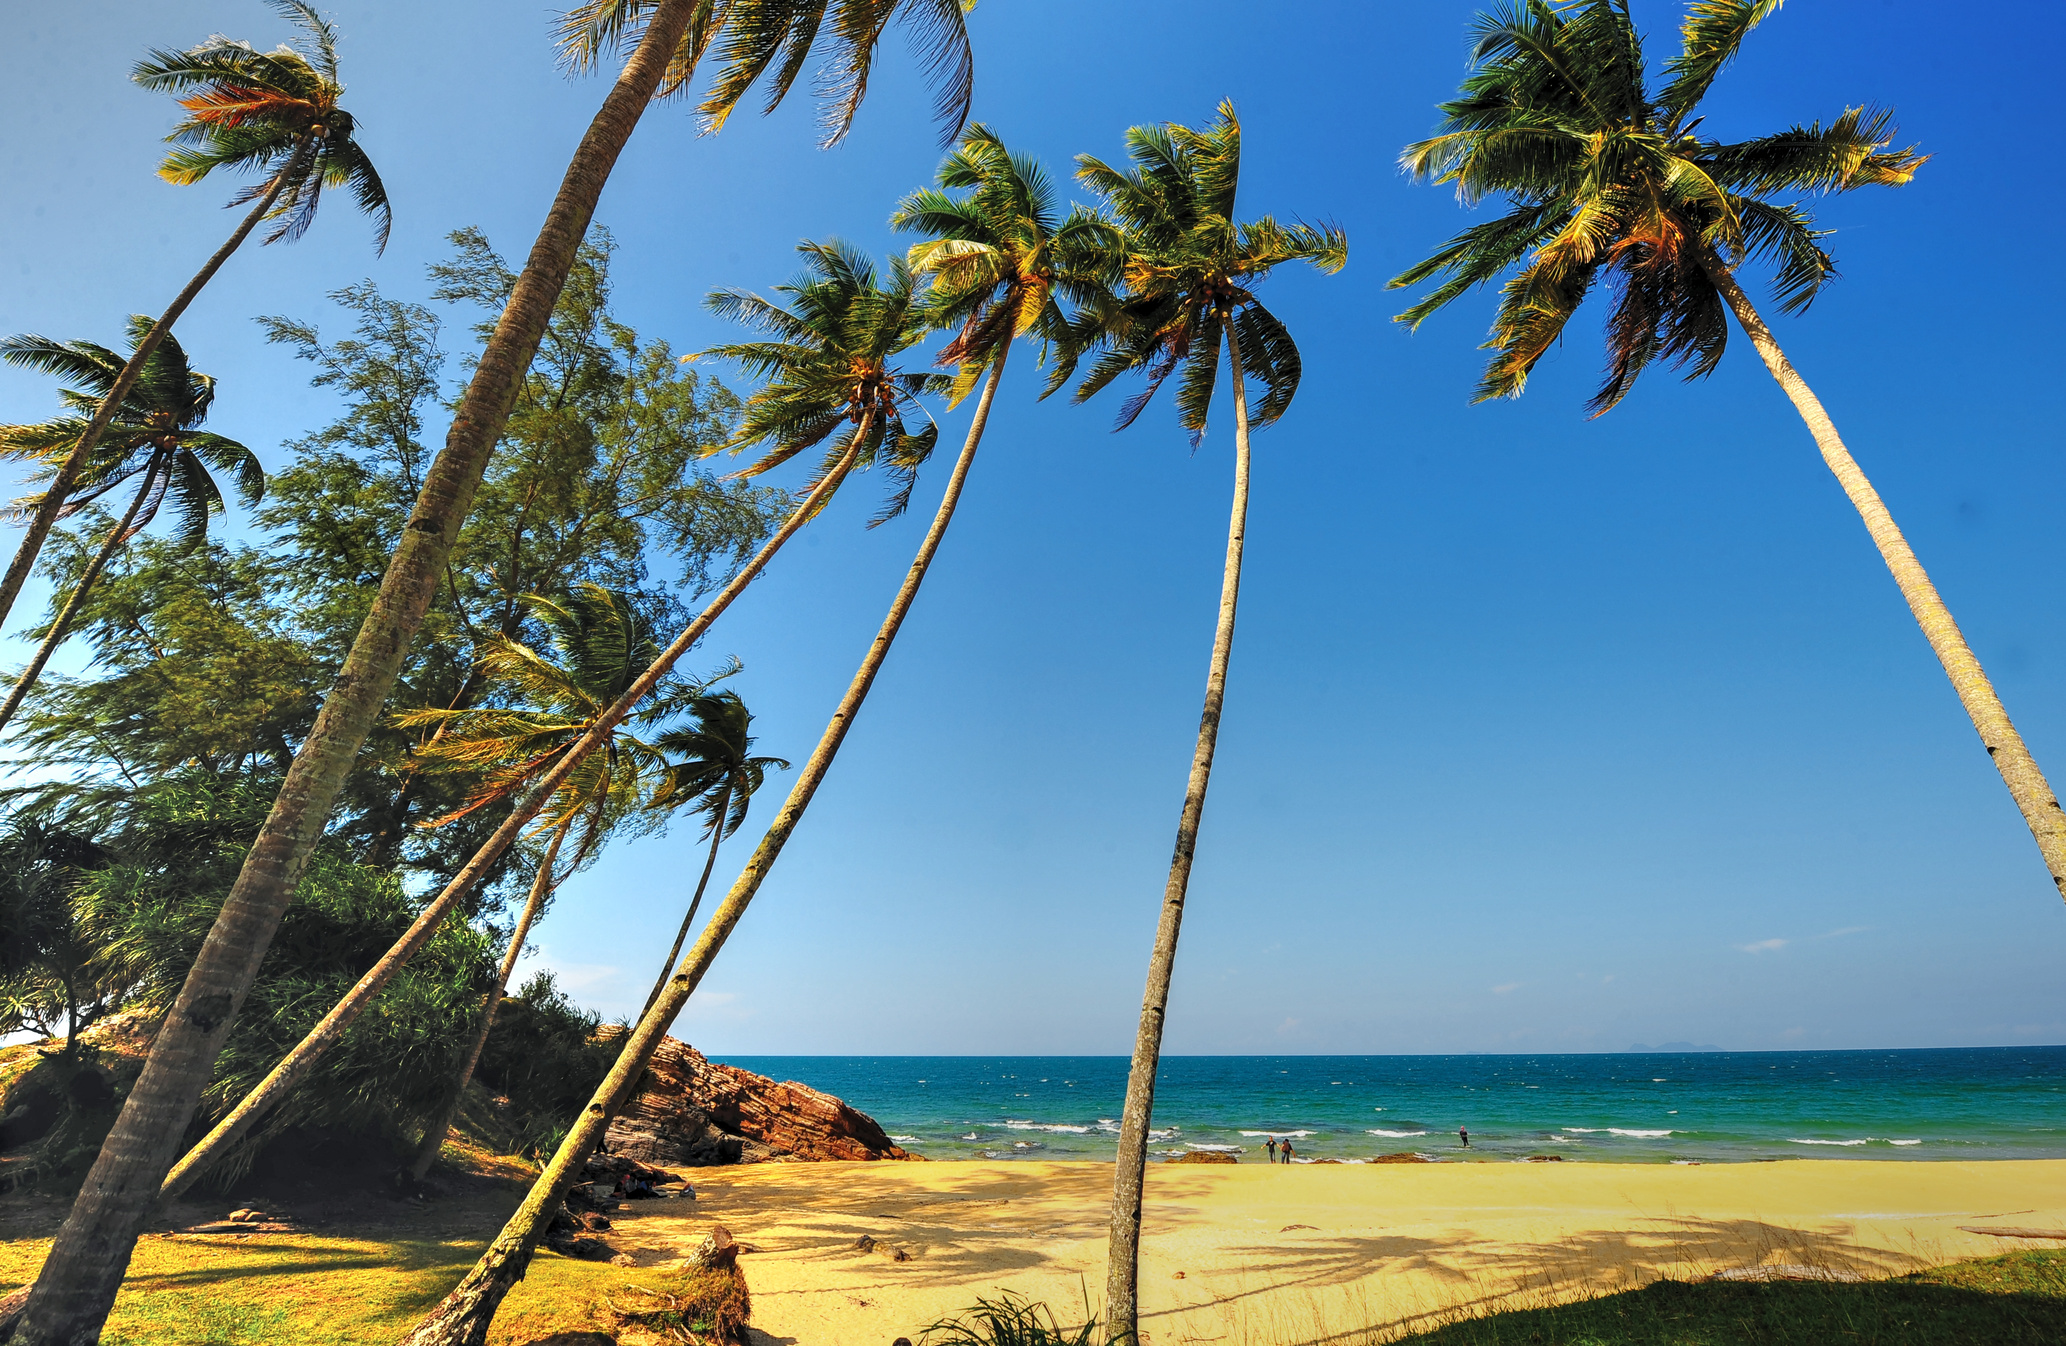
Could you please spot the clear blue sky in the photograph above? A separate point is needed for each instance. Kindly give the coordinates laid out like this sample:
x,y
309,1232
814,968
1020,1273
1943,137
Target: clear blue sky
x,y
1542,732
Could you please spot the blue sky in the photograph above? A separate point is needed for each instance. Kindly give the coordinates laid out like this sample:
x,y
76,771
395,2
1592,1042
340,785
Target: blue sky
x,y
1543,733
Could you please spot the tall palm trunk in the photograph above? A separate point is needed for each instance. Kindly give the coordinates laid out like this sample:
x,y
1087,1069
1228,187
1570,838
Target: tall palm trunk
x,y
541,888
462,1319
45,517
1129,1173
86,1263
62,623
2019,771
717,836
295,1066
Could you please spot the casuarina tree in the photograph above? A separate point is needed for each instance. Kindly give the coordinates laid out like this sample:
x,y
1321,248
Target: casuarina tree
x,y
1612,186
667,38
599,642
1190,274
830,365
273,112
155,447
712,772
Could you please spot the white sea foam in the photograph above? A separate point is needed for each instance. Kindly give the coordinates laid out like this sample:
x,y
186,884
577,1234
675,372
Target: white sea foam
x,y
1300,1135
1057,1128
1904,1142
1631,1131
905,1140
1216,1149
1866,1141
1376,1131
1163,1133
970,1136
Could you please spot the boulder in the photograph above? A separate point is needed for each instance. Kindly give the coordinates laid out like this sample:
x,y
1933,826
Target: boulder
x,y
691,1112
1204,1157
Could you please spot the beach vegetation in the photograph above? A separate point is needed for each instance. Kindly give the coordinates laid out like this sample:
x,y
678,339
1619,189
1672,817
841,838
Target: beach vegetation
x,y
1188,273
665,40
277,113
2014,1300
1613,187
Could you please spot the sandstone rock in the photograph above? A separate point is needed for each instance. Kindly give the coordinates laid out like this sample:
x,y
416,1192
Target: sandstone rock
x,y
1403,1157
689,1111
1204,1157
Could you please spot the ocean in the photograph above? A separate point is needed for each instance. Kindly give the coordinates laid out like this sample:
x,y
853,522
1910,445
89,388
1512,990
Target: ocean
x,y
1665,1107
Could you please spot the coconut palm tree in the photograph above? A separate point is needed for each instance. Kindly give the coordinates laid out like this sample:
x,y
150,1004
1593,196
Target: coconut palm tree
x,y
710,771
155,446
1610,183
818,394
1001,260
272,112
598,643
1191,271
83,1271
830,365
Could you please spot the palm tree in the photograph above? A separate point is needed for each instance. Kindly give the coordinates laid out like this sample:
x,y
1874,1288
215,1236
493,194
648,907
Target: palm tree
x,y
275,112
712,772
1000,261
1191,272
83,1271
1610,184
155,445
600,642
829,366
603,641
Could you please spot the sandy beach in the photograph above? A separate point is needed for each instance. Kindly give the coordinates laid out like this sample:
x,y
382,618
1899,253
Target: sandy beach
x,y
1257,1254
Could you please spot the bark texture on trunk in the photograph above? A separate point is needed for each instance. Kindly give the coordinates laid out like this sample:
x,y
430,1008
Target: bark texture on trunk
x,y
295,1066
62,623
2019,770
85,1266
45,517
1129,1172
541,887
464,1316
717,836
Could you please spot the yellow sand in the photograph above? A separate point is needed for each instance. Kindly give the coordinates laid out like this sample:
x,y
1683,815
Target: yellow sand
x,y
1386,1244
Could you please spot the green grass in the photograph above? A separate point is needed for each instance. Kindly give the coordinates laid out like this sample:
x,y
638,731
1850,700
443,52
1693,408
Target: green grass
x,y
2015,1300
316,1291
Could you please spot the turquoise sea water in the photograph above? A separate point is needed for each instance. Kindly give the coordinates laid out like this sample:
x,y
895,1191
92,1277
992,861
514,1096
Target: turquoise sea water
x,y
1953,1103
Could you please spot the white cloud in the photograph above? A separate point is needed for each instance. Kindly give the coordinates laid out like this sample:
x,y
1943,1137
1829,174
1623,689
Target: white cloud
x,y
1763,946
1506,987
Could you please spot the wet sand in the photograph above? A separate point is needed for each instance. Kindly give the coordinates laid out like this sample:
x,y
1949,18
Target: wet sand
x,y
1252,1253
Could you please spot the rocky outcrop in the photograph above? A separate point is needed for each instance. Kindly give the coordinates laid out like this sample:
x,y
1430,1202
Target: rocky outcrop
x,y
692,1112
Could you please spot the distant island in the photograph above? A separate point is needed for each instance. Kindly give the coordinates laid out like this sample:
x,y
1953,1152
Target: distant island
x,y
1674,1047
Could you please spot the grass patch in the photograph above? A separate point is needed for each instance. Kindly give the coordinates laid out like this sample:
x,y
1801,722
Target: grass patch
x,y
2014,1300
313,1291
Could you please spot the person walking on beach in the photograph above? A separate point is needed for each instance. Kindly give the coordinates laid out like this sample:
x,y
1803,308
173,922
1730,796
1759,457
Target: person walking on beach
x,y
1285,1149
1464,1132
1271,1146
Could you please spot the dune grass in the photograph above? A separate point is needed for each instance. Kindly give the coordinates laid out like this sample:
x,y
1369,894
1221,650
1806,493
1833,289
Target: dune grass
x,y
2018,1299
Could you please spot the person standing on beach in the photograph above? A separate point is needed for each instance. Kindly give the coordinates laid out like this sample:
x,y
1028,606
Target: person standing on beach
x,y
1271,1146
1464,1132
1285,1149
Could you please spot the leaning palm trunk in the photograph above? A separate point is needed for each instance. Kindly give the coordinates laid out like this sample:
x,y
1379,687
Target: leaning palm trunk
x,y
1129,1173
541,886
62,623
45,517
463,1318
717,836
295,1066
85,1266
2019,771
